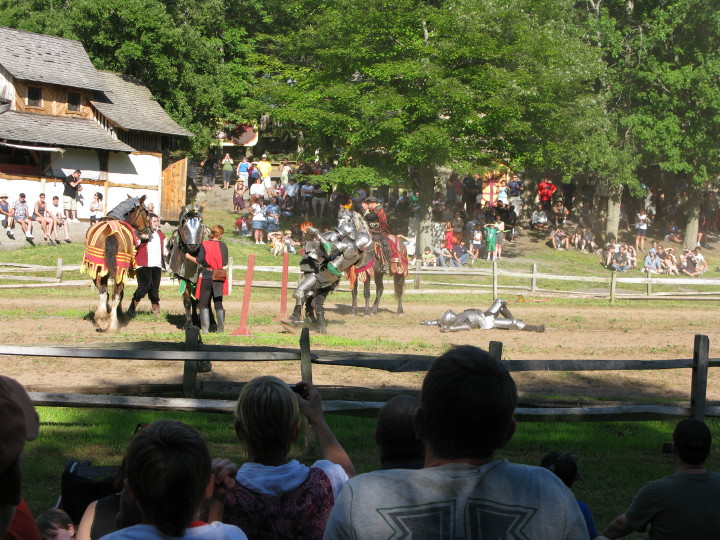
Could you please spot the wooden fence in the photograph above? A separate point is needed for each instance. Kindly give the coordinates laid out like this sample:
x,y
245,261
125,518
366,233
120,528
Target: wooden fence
x,y
10,271
366,402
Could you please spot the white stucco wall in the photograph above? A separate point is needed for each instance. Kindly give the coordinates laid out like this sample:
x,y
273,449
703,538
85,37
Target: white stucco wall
x,y
7,88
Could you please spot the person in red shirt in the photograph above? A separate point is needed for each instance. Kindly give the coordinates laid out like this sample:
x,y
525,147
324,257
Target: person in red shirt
x,y
546,189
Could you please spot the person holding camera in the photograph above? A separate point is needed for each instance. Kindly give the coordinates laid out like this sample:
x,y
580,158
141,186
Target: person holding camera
x,y
272,496
71,194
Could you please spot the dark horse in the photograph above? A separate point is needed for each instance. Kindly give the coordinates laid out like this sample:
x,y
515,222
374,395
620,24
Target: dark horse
x,y
110,254
187,239
398,265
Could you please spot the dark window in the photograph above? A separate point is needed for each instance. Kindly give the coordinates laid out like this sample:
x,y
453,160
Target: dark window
x,y
34,96
73,102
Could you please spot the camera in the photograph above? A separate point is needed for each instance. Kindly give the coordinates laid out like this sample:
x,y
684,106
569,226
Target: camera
x,y
302,391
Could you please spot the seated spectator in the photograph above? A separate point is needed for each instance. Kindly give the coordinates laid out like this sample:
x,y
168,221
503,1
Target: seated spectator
x,y
6,215
690,264
652,262
620,260
700,259
169,474
672,234
275,242
670,262
41,215
466,414
395,435
460,254
55,524
565,468
539,220
576,240
428,259
632,257
444,256
682,505
55,210
21,215
559,239
560,213
588,242
272,496
18,423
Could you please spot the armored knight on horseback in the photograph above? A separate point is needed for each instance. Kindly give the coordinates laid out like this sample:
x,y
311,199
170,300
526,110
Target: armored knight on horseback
x,y
379,228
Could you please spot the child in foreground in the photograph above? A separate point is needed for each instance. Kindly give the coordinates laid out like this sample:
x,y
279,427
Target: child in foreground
x,y
55,524
272,496
169,476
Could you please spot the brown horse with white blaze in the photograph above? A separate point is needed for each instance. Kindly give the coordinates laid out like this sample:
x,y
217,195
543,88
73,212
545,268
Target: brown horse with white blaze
x,y
110,246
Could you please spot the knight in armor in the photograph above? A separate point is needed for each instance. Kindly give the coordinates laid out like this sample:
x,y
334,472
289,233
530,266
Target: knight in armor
x,y
498,316
327,256
379,228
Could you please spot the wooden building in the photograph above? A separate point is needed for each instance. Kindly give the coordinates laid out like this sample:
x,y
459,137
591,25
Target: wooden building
x,y
58,114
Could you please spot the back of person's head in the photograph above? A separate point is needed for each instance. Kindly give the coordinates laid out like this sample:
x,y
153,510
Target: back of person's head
x,y
216,232
168,472
52,521
267,418
692,441
563,465
467,404
395,432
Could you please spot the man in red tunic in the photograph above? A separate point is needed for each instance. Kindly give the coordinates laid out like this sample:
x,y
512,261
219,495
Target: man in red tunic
x,y
546,189
378,225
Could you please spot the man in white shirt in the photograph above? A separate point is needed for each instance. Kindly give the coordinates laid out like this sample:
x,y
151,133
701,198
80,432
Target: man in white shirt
x,y
150,260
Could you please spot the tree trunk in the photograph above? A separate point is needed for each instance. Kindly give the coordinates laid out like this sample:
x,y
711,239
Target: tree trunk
x,y
427,188
692,211
613,211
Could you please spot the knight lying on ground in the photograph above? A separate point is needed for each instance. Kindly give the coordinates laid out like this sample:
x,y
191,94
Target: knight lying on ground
x,y
498,316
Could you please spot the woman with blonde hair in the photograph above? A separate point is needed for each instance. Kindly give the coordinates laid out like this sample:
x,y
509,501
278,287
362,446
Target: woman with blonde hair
x,y
272,496
212,257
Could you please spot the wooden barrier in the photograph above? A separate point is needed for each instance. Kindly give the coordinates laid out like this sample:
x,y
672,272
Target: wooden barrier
x,y
366,402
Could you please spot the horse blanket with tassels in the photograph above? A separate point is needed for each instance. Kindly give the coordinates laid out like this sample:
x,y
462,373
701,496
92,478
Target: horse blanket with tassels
x,y
398,262
93,262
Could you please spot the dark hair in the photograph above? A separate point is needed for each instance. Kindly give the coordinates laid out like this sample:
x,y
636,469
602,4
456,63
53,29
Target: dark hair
x,y
53,519
168,469
395,432
151,215
99,195
692,441
467,399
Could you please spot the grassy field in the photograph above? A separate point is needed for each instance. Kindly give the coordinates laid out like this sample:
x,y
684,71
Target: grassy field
x,y
614,459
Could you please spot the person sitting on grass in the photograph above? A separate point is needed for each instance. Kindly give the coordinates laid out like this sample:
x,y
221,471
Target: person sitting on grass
x,y
428,259
559,239
682,505
272,496
632,257
55,524
169,476
652,262
539,220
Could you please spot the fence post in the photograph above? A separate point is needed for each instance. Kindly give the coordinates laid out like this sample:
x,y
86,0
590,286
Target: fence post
x,y
59,273
305,357
698,392
533,279
613,277
648,287
495,280
283,288
495,349
418,264
230,274
192,339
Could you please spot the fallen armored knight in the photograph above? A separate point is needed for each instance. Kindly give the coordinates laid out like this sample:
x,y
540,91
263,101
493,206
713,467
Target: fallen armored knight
x,y
497,316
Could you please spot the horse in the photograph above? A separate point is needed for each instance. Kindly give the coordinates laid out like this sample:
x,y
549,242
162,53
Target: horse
x,y
398,265
187,238
110,254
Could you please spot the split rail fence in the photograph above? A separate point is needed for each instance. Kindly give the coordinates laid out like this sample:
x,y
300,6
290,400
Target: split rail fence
x,y
361,401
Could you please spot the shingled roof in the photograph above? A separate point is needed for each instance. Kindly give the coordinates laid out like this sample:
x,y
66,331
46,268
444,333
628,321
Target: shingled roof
x,y
57,131
131,106
48,59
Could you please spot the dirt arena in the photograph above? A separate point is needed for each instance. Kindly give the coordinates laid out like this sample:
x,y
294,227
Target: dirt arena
x,y
593,331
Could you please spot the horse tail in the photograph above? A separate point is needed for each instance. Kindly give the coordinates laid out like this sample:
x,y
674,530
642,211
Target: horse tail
x,y
111,251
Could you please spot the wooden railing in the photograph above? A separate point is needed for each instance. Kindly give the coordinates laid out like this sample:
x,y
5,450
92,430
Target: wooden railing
x,y
363,401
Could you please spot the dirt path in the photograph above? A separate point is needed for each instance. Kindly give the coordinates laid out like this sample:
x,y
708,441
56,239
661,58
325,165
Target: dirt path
x,y
596,331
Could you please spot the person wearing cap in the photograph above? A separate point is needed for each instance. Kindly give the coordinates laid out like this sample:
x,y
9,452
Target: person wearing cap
x,y
6,219
565,468
71,192
379,228
19,423
21,215
683,505
652,262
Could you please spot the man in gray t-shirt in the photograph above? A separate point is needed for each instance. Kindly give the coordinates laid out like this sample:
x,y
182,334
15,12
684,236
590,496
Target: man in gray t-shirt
x,y
466,413
680,506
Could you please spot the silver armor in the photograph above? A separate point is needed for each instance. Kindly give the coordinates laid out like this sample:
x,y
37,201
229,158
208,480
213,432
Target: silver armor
x,y
497,316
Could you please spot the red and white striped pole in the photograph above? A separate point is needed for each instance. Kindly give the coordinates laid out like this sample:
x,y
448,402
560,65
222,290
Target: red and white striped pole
x,y
243,330
283,288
